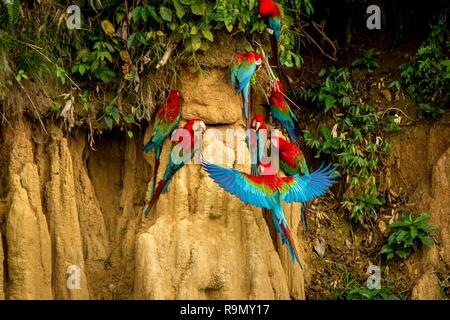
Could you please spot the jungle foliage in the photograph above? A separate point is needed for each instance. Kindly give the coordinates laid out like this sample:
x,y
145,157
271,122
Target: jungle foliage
x,y
409,233
120,41
353,139
427,76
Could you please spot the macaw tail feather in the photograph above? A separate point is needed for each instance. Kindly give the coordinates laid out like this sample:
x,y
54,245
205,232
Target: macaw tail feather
x,y
290,243
286,236
156,195
292,132
254,169
149,146
245,98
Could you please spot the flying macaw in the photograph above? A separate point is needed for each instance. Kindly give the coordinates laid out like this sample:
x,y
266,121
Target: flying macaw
x,y
282,112
187,142
268,190
166,122
244,66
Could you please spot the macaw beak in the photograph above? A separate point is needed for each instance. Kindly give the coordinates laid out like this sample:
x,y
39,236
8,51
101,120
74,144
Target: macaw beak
x,y
257,126
258,62
203,126
261,170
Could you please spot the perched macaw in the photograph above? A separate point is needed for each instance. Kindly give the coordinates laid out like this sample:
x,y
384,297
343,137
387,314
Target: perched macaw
x,y
258,140
292,160
166,122
271,13
243,68
235,69
282,112
188,145
268,190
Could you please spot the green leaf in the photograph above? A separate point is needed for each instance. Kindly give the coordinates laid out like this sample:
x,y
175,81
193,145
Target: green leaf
x,y
413,231
104,54
136,14
198,7
130,40
179,9
196,43
115,114
402,254
423,218
108,121
208,35
427,228
82,68
398,224
129,118
326,132
426,240
386,249
228,26
401,235
104,74
130,134
329,102
165,13
13,8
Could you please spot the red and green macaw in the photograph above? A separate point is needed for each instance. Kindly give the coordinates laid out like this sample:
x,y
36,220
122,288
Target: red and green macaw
x,y
244,66
188,144
268,190
166,121
292,162
282,112
271,13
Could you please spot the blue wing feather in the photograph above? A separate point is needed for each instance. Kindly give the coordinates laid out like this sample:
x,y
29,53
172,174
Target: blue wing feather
x,y
237,184
310,186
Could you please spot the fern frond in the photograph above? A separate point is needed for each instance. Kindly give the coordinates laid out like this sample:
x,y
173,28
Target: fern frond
x,y
13,7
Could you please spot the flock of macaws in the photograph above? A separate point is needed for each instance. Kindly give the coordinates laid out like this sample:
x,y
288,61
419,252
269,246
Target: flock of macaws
x,y
263,187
